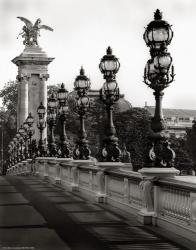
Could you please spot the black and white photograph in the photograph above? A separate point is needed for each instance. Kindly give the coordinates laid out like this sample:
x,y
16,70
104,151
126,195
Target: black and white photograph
x,y
97,125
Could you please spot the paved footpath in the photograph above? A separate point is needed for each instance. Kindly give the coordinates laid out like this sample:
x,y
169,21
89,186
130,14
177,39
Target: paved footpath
x,y
37,215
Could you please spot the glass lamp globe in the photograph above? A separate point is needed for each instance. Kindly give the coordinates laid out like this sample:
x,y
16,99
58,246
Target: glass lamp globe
x,y
52,116
25,125
62,93
82,82
110,86
163,62
21,130
41,110
52,103
83,101
109,63
31,129
63,109
17,135
30,119
158,32
41,121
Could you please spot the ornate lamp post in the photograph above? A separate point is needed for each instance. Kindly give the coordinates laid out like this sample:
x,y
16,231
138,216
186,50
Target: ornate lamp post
x,y
109,94
82,85
30,132
21,132
62,96
15,150
18,147
158,74
52,106
41,124
25,136
10,154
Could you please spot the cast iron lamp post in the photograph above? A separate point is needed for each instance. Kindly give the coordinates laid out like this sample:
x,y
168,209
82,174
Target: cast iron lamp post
x,y
82,103
22,133
10,152
30,132
158,74
25,136
109,94
41,124
52,106
18,146
62,96
15,150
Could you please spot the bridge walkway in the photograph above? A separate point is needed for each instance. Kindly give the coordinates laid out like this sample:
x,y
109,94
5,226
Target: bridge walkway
x,y
37,215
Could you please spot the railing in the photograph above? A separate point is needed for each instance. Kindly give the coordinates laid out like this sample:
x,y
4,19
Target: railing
x,y
174,199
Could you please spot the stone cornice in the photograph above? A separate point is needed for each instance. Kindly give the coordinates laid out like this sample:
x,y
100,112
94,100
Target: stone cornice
x,y
19,60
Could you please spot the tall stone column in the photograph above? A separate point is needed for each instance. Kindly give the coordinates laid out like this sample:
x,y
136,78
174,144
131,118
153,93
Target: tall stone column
x,y
23,98
18,103
33,74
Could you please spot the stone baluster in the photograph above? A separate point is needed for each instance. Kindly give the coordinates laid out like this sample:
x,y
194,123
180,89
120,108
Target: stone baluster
x,y
188,206
168,203
171,203
75,178
46,173
181,201
135,194
58,174
176,204
101,195
90,179
193,208
126,190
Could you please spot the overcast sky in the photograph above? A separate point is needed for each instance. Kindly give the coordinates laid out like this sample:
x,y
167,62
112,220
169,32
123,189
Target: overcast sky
x,y
84,28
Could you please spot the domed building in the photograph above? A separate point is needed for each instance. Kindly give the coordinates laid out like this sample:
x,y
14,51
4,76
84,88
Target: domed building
x,y
121,105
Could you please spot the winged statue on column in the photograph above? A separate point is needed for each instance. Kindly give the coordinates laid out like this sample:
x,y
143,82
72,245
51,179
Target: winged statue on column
x,y
31,32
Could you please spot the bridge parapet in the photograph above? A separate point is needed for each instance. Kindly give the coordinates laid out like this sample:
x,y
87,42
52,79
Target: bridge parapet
x,y
174,198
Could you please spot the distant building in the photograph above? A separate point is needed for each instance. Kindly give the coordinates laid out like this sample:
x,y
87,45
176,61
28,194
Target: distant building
x,y
177,120
121,105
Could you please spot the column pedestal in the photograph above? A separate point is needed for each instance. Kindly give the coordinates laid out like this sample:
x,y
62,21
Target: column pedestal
x,y
33,73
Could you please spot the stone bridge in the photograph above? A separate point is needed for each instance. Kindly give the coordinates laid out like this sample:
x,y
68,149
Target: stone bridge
x,y
56,203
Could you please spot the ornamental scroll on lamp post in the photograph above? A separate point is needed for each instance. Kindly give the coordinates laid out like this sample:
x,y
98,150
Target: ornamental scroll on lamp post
x,y
158,75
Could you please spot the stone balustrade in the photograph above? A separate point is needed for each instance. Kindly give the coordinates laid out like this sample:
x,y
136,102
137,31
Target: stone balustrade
x,y
173,198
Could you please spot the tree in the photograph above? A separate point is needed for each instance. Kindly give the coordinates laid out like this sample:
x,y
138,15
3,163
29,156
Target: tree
x,y
133,127
183,161
9,96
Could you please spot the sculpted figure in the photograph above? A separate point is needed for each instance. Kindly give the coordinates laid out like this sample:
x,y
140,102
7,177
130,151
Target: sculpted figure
x,y
30,32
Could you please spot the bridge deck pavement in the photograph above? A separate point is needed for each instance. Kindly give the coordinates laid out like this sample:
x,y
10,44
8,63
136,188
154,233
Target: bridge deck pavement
x,y
37,215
